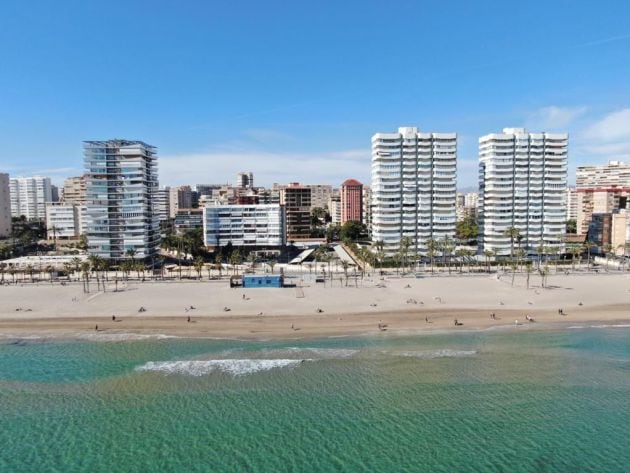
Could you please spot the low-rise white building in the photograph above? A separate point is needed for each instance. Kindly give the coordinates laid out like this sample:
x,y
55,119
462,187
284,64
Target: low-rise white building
x,y
261,225
63,220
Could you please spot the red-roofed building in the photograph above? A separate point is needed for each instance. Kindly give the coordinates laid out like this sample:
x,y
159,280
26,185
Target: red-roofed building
x,y
351,201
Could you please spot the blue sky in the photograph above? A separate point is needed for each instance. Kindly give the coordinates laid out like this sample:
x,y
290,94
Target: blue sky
x,y
293,90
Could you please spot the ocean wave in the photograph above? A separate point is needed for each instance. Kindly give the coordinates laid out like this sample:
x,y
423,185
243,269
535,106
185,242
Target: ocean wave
x,y
432,354
204,367
315,352
611,326
120,337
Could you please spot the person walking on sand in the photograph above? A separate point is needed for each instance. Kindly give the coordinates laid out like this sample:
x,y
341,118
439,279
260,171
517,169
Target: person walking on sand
x,y
96,328
189,319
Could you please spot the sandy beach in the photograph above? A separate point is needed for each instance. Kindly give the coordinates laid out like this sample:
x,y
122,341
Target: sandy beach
x,y
314,310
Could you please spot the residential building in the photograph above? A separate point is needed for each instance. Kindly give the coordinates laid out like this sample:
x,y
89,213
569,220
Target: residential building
x,y
163,203
245,180
29,196
188,219
620,232
122,184
320,193
334,206
63,220
54,193
367,209
522,184
571,203
467,205
351,201
252,226
5,206
74,190
610,232
179,198
296,200
413,188
601,189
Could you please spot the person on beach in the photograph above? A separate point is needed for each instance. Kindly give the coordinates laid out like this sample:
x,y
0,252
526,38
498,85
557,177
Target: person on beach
x,y
113,318
96,328
189,319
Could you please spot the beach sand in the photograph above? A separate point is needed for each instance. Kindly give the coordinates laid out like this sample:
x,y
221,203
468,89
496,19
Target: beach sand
x,y
396,304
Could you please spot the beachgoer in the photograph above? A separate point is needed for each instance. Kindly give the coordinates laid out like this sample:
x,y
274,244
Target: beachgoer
x,y
113,318
189,319
96,328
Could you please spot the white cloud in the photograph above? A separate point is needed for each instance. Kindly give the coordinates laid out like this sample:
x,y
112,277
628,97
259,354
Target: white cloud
x,y
309,168
554,118
613,127
266,135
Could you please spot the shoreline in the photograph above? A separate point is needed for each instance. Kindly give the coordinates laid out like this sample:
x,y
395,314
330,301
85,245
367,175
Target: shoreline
x,y
278,328
378,305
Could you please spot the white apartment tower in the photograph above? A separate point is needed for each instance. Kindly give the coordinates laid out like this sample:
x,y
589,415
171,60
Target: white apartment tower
x,y
413,187
522,185
5,206
29,196
121,191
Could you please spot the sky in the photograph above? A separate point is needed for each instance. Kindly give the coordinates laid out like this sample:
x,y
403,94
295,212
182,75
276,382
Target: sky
x,y
294,90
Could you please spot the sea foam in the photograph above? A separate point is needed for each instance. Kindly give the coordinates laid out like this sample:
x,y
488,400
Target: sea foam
x,y
432,354
204,367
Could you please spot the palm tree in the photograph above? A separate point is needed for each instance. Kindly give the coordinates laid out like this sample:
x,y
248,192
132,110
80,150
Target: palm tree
x,y
544,271
344,265
405,244
3,266
513,233
252,259
588,246
30,270
380,252
488,254
235,260
198,264
272,263
574,250
432,247
50,270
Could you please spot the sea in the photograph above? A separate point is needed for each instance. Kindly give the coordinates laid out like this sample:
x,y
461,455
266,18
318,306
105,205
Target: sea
x,y
485,401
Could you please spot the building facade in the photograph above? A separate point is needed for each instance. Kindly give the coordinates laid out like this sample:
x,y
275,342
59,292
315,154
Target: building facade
x,y
74,190
367,209
179,198
5,206
253,226
320,193
467,205
413,188
245,180
63,220
522,185
571,203
351,201
334,206
296,200
122,184
188,219
601,189
29,196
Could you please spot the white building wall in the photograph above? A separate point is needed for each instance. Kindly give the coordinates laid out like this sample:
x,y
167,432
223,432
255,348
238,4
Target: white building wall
x,y
259,225
5,206
62,220
29,196
522,182
413,188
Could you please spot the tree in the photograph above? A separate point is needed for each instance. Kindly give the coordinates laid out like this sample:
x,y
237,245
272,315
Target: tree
x,y
488,254
83,242
467,229
405,244
588,246
432,247
572,226
352,231
198,264
344,265
235,260
513,233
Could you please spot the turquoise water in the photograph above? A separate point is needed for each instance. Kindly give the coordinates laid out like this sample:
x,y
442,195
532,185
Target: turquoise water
x,y
556,401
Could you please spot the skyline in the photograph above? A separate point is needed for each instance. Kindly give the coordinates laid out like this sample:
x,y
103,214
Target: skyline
x,y
265,86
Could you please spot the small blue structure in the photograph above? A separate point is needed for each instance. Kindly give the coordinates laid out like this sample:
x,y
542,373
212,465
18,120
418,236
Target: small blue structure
x,y
262,281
